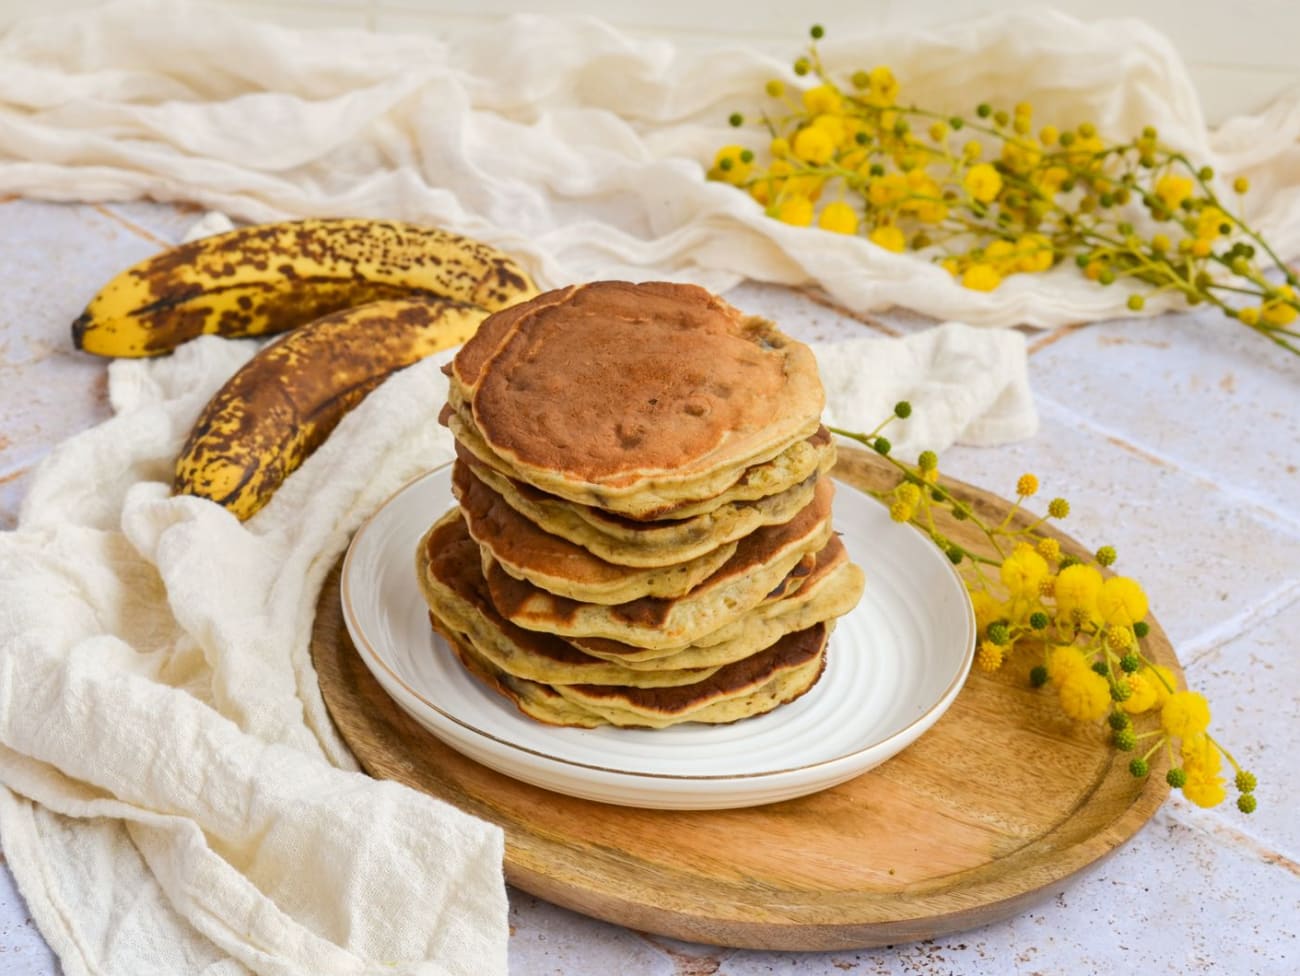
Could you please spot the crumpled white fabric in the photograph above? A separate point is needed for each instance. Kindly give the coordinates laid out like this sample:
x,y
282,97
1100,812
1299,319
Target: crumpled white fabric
x,y
569,143
175,796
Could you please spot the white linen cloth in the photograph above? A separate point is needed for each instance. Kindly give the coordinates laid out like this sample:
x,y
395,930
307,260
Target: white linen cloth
x,y
175,799
571,144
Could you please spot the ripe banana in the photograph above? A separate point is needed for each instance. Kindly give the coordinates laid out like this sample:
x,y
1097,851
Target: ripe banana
x,y
273,413
268,278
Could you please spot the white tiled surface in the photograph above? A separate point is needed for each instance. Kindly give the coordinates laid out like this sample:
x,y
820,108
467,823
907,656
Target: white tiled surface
x,y
1176,440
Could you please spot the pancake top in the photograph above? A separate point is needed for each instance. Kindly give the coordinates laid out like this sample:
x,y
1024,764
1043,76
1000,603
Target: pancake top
x,y
610,383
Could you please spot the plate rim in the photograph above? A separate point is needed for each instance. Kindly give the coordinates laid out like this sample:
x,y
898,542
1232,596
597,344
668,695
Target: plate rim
x,y
371,657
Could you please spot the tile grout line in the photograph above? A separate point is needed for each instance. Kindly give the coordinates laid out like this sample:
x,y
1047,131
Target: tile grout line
x,y
1261,611
870,321
1219,830
131,225
1242,496
1055,336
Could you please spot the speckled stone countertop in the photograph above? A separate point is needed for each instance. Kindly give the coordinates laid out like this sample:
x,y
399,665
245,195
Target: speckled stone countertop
x,y
1176,439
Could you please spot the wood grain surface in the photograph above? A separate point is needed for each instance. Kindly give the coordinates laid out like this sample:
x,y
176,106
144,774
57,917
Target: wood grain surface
x,y
993,809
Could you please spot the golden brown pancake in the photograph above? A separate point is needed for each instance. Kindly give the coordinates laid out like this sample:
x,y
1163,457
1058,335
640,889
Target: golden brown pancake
x,y
761,560
451,579
559,566
812,455
631,542
831,589
758,684
632,397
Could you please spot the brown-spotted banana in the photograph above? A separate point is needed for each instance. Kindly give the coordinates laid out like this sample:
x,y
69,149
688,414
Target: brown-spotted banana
x,y
272,277
283,403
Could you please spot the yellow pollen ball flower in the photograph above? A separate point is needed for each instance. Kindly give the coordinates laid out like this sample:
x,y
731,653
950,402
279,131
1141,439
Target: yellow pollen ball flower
x,y
1085,695
1173,190
1022,571
900,511
889,237
882,87
1200,756
823,98
972,150
1202,763
1027,485
981,277
989,657
838,217
987,609
814,145
1205,791
886,189
1185,714
1035,253
1021,156
795,210
833,126
1077,588
1277,313
1122,601
1210,224
983,182
1163,688
997,254
1143,694
1064,660
729,167
779,147
1050,550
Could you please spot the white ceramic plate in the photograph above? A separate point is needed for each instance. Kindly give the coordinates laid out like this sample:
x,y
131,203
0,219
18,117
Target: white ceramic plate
x,y
894,666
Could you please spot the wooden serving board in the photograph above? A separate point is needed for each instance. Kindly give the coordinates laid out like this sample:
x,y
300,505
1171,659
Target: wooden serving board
x,y
993,809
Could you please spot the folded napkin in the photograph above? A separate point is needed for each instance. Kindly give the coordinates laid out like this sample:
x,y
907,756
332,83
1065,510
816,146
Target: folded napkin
x,y
569,143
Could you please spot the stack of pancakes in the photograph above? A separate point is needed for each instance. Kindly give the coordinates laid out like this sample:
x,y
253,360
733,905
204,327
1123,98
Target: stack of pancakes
x,y
644,529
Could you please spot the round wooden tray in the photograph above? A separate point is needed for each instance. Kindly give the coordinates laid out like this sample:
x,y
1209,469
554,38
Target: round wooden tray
x,y
993,809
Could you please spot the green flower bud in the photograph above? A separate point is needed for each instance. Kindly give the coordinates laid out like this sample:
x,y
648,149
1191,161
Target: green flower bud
x,y
1038,676
1139,767
1176,778
1245,781
1246,803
